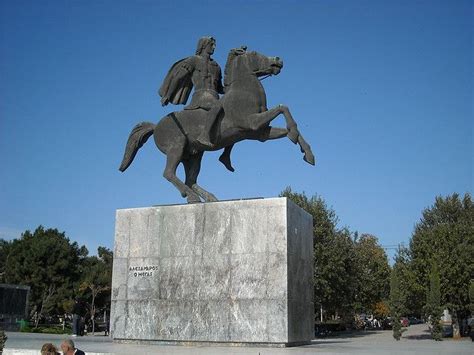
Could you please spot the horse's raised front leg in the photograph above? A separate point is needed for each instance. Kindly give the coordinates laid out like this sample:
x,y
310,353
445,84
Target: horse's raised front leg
x,y
295,136
173,158
261,119
192,166
306,149
269,133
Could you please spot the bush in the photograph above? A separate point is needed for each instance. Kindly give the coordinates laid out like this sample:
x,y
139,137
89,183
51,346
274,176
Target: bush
x,y
48,330
3,339
331,326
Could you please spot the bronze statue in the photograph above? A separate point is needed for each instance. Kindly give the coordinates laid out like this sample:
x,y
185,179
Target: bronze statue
x,y
204,74
240,114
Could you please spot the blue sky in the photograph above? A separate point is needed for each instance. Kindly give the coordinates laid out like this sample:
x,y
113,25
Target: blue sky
x,y
382,90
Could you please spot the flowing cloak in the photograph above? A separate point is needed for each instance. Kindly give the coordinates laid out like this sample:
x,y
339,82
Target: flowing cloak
x,y
178,73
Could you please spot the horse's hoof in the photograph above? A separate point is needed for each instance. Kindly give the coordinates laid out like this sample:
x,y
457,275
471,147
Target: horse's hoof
x,y
211,198
194,199
226,161
309,158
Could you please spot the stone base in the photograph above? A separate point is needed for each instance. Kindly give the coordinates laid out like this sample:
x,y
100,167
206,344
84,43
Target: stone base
x,y
211,343
230,272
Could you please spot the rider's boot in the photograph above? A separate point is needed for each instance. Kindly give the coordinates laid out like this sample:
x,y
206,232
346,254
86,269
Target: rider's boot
x,y
204,138
225,158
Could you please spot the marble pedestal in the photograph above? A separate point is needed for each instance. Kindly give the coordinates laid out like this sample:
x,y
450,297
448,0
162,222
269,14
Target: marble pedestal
x,y
225,272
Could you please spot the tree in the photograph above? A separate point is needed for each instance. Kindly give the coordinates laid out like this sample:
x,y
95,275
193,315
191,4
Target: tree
x,y
471,295
396,304
97,279
3,340
445,235
4,249
381,309
334,257
433,306
48,262
373,273
409,288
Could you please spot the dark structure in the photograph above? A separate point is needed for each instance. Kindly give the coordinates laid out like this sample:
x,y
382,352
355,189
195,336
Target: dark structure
x,y
211,122
13,305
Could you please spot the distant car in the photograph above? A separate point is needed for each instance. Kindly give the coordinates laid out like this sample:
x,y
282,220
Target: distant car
x,y
405,322
447,331
470,324
387,323
414,320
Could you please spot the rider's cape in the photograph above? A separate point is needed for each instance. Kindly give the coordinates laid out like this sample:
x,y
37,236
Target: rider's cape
x,y
178,73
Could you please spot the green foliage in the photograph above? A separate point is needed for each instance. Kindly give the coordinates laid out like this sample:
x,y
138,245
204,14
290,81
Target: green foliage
x,y
348,274
49,263
471,295
3,340
445,235
409,287
396,304
57,270
47,330
334,257
96,281
433,307
4,250
372,273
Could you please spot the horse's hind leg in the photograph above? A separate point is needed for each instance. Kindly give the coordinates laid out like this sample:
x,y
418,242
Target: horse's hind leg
x,y
192,167
173,158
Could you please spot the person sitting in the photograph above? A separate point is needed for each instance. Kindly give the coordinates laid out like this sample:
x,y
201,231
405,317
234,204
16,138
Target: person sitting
x,y
49,349
68,348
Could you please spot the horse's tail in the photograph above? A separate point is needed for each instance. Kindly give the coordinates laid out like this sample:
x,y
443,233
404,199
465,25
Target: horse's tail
x,y
139,135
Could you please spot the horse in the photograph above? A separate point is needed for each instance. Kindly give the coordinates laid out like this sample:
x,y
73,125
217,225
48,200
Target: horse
x,y
244,116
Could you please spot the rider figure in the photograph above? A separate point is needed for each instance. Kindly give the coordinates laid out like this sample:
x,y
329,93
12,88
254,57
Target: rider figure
x,y
202,72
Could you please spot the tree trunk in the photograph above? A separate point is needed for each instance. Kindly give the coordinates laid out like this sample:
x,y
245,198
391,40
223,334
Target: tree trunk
x,y
46,297
456,329
94,293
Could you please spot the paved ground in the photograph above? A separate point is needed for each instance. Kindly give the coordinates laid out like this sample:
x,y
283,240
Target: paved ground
x,y
415,341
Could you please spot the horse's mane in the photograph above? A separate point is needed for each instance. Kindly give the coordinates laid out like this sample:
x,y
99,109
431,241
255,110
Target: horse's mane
x,y
228,73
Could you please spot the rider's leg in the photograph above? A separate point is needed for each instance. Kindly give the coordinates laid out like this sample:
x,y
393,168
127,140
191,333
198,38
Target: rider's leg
x,y
205,137
225,158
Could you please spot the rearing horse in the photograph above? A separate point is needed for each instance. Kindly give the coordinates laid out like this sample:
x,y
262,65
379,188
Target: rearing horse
x,y
245,117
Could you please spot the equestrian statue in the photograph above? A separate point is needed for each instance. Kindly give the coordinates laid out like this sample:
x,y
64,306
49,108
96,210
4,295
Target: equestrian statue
x,y
212,122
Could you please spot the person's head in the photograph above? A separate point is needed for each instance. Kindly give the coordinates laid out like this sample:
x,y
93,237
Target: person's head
x,y
48,349
67,346
206,45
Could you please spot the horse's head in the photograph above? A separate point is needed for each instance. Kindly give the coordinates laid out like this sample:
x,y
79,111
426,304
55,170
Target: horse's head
x,y
240,62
